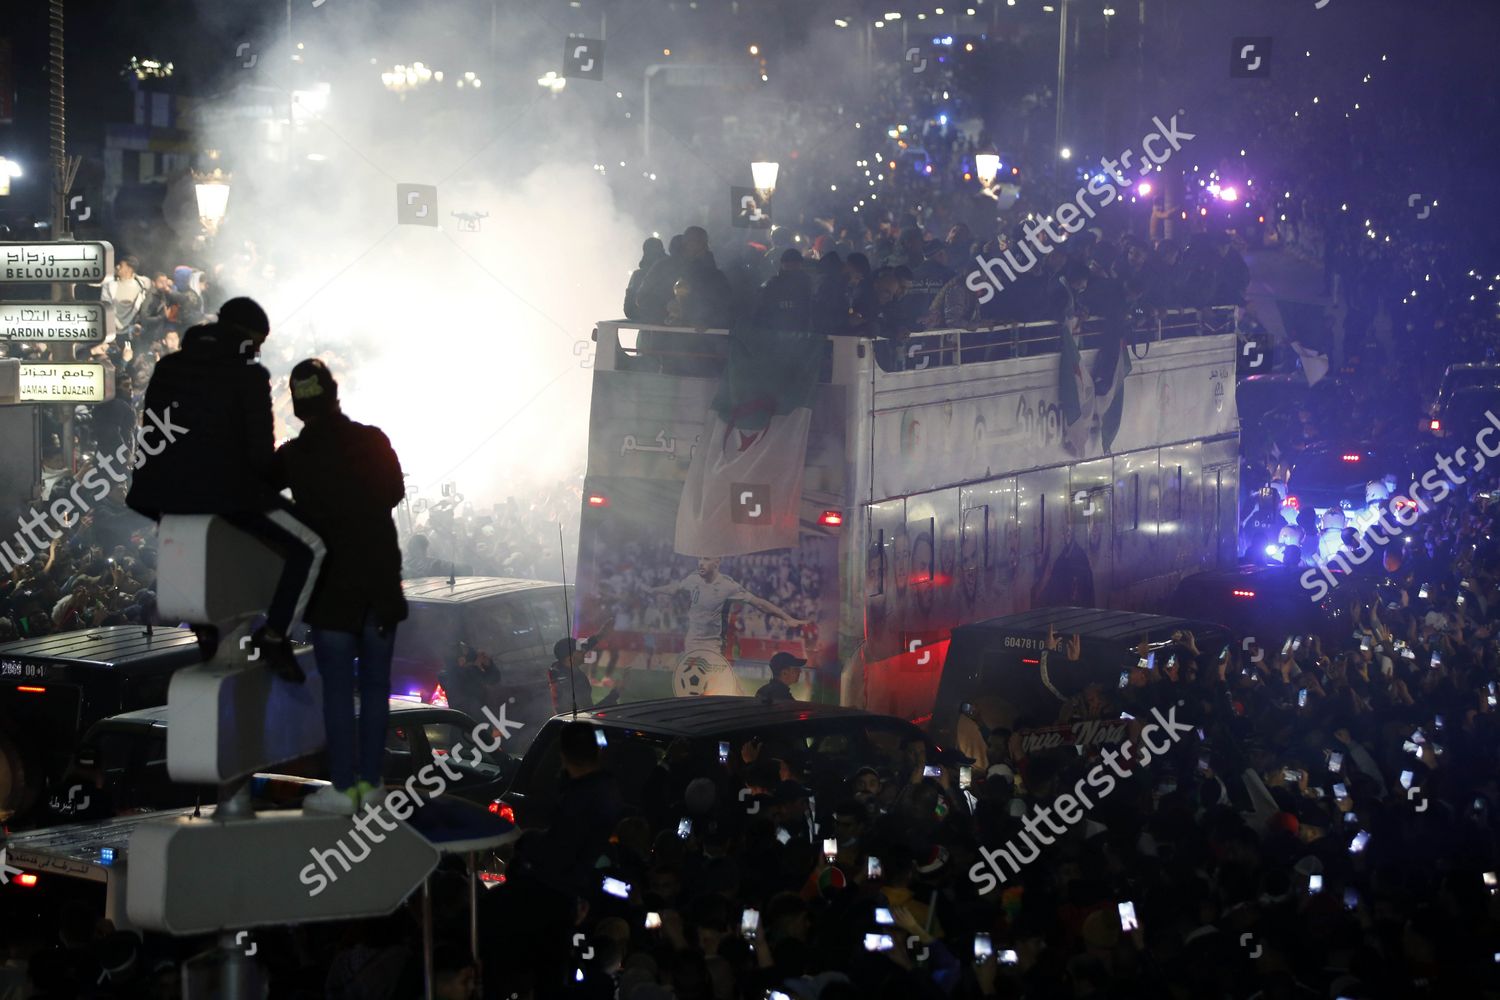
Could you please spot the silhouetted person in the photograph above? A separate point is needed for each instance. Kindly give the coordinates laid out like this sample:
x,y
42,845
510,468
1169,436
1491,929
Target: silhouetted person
x,y
346,479
211,402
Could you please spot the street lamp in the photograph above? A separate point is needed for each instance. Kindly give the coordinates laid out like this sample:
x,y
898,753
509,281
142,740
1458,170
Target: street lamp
x,y
212,190
987,165
8,169
763,173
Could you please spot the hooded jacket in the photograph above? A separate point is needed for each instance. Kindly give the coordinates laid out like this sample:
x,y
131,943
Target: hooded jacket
x,y
219,460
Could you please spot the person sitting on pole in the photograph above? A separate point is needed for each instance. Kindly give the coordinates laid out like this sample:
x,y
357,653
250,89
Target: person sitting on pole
x,y
217,398
346,479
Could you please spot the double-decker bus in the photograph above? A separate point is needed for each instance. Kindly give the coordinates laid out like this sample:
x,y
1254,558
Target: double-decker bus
x,y
941,486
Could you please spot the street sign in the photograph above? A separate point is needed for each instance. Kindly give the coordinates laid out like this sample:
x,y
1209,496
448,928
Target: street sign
x,y
201,875
60,261
66,382
55,322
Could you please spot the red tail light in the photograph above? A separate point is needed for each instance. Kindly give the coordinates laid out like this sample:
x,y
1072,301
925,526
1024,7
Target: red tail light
x,y
439,697
27,879
1243,593
1435,425
598,500
831,519
503,810
1032,663
1350,458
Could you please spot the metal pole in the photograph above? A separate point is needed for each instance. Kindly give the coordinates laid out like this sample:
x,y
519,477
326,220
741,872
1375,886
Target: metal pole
x,y
427,936
474,917
1062,71
62,182
646,111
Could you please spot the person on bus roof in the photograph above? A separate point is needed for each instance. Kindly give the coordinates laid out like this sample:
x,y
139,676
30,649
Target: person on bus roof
x,y
786,670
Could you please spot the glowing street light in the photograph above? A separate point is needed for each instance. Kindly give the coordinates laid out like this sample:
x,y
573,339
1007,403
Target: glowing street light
x,y
552,81
763,174
212,189
987,165
8,169
1065,153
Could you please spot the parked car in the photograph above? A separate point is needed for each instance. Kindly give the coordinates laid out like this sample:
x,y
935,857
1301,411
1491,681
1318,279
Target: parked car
x,y
1466,393
517,622
121,765
833,742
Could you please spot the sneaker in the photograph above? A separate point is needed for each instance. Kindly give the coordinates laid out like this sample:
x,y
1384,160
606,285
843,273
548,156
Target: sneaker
x,y
330,801
277,656
369,795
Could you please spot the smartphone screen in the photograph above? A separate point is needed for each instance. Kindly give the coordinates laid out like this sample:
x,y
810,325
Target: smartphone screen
x,y
883,916
1335,762
723,752
872,868
1340,791
783,836
1351,899
1314,884
983,948
1124,678
1291,775
1128,922
653,921
830,848
1437,659
1286,646
932,771
616,888
600,738
1202,765
1491,882
1008,956
1302,698
879,942
750,923
685,828
1361,839
1406,777
965,776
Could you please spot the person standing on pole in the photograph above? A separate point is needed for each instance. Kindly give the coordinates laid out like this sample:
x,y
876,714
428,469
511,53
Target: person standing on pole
x,y
346,479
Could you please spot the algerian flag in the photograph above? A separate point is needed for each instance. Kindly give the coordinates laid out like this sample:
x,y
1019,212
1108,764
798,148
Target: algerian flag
x,y
1307,330
744,487
1075,393
1111,405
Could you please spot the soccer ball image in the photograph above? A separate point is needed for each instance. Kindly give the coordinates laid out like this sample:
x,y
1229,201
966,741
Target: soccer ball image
x,y
701,672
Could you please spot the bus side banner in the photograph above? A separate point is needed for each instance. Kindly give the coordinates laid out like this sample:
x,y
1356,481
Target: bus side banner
x,y
1088,733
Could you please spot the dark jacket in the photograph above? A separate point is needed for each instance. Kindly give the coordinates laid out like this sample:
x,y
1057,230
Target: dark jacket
x,y
222,462
345,479
773,690
785,303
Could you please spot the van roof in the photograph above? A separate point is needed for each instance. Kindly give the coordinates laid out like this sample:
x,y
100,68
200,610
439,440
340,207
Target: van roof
x,y
437,589
158,715
710,715
110,646
1090,623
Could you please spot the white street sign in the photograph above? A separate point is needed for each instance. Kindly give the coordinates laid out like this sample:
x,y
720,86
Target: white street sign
x,y
54,262
56,322
66,382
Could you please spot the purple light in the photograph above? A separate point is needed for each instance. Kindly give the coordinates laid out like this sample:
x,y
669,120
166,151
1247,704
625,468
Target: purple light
x,y
1229,194
1144,187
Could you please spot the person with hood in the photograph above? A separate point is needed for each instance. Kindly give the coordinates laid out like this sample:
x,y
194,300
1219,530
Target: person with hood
x,y
652,252
211,404
346,480
185,296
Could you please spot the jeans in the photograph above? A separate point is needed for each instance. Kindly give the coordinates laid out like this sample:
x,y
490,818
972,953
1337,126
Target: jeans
x,y
336,653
